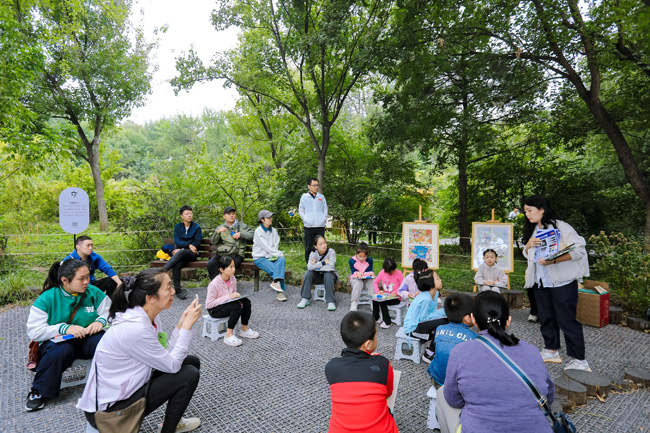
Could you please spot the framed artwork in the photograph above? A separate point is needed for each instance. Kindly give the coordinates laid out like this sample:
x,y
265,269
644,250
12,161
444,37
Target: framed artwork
x,y
496,236
420,241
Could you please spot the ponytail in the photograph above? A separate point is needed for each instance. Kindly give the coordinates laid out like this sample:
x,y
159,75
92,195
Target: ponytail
x,y
133,292
67,268
491,312
223,262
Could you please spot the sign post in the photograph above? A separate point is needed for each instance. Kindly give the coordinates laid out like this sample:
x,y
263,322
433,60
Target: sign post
x,y
74,210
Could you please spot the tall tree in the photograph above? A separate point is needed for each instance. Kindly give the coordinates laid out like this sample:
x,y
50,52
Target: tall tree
x,y
305,56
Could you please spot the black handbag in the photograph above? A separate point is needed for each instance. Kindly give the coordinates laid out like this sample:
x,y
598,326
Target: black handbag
x,y
559,420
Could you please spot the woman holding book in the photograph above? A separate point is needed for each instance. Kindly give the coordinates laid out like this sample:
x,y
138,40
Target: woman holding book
x,y
554,280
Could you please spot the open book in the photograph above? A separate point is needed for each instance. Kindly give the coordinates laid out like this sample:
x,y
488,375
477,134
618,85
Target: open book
x,y
562,252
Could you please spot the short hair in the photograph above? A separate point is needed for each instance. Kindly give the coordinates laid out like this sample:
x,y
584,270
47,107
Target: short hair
x,y
362,248
311,179
457,306
81,239
490,250
184,208
357,327
425,280
389,264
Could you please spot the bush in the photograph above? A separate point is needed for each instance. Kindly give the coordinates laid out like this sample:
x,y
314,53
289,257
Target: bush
x,y
622,262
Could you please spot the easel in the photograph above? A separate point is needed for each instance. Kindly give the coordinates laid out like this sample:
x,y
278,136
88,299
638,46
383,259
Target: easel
x,y
492,220
419,220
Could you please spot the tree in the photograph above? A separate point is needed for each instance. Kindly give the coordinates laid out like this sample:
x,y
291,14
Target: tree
x,y
96,70
305,56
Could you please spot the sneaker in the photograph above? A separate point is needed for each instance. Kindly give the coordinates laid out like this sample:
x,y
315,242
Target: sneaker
x,y
577,364
532,318
34,401
379,321
353,306
551,356
181,294
384,325
426,358
249,334
331,306
276,286
303,303
281,297
232,341
185,425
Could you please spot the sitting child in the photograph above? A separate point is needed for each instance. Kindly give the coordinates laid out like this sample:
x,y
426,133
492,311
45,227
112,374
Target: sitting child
x,y
489,275
390,278
424,316
458,307
320,270
409,287
359,382
221,302
362,275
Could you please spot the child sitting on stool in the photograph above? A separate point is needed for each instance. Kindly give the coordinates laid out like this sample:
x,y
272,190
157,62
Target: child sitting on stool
x,y
489,275
390,278
362,275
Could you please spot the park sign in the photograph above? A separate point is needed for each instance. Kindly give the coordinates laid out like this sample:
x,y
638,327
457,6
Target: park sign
x,y
74,210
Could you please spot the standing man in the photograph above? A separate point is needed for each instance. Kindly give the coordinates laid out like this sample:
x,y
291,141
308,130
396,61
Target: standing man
x,y
230,239
187,239
84,251
313,211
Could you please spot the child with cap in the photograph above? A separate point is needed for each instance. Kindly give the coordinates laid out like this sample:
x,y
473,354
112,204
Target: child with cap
x,y
266,254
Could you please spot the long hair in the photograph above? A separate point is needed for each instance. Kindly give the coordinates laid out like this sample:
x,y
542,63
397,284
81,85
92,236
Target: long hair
x,y
540,202
134,292
58,270
491,312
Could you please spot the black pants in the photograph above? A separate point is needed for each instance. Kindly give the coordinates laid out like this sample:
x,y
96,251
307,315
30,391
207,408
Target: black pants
x,y
532,300
557,310
233,310
429,328
176,265
213,267
106,285
384,309
174,389
309,235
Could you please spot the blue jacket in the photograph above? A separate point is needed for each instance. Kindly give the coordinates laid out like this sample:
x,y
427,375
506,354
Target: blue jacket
x,y
193,237
313,210
95,261
351,262
422,309
447,337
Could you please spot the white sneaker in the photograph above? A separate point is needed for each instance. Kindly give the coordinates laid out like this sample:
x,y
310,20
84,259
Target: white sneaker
x,y
353,306
232,341
281,297
532,318
577,364
331,306
276,286
384,325
185,425
303,303
551,356
249,334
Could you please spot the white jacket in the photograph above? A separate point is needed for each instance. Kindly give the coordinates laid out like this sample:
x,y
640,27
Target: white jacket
x,y
266,243
568,270
126,355
313,210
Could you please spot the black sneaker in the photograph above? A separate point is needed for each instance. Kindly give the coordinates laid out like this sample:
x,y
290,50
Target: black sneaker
x,y
426,358
34,401
181,294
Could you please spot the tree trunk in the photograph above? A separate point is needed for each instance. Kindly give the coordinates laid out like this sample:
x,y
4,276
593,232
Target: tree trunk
x,y
463,213
93,160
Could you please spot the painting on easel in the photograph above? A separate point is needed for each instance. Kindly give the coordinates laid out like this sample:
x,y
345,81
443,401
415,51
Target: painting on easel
x,y
494,235
420,241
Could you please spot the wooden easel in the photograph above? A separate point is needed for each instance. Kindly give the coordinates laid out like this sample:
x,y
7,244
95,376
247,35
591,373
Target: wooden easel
x,y
419,220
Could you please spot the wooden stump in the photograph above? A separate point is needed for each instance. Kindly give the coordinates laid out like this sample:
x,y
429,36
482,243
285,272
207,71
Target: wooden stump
x,y
515,298
188,273
615,315
638,324
638,375
595,383
574,391
562,404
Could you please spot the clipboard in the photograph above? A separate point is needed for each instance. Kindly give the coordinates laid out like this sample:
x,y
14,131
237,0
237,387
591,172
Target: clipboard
x,y
391,398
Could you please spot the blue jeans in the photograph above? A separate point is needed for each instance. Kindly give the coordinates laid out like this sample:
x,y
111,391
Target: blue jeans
x,y
275,269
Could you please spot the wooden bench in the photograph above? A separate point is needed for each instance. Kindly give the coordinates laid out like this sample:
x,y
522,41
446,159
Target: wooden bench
x,y
207,251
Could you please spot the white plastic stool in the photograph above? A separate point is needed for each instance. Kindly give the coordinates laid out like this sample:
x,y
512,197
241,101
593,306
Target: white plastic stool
x,y
211,327
364,298
85,363
416,344
319,292
397,309
432,419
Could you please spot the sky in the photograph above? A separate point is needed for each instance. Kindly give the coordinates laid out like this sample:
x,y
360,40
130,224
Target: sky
x,y
188,25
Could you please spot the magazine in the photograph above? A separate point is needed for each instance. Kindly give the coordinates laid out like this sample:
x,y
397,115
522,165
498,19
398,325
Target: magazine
x,y
550,243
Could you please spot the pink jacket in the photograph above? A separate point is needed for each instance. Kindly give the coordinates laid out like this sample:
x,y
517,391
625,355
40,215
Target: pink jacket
x,y
219,291
387,279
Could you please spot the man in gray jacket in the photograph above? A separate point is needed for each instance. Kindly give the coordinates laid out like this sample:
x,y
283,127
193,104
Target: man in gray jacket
x,y
313,211
230,239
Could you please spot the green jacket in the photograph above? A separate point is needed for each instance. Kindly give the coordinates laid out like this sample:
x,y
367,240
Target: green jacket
x,y
226,245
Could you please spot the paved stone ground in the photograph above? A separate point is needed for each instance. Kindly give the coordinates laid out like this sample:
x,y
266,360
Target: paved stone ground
x,y
277,384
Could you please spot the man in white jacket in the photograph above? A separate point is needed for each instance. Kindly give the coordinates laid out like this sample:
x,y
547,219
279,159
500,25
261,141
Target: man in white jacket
x,y
313,211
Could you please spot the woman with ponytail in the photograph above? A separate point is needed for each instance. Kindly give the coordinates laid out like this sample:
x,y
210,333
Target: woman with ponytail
x,y
69,308
135,350
481,389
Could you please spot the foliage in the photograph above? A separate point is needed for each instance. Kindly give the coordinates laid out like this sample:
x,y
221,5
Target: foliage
x,y
623,263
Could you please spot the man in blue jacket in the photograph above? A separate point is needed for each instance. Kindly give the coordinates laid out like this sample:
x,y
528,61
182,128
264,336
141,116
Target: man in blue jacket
x,y
84,251
313,211
187,239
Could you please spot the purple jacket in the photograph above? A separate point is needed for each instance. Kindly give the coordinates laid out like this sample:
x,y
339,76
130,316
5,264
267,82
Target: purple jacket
x,y
493,399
